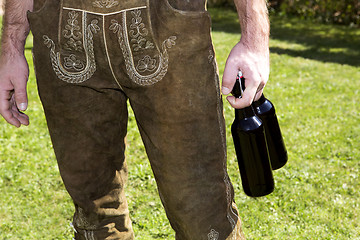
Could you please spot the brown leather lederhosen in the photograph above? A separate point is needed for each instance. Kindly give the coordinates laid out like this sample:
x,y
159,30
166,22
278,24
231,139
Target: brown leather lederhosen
x,y
91,56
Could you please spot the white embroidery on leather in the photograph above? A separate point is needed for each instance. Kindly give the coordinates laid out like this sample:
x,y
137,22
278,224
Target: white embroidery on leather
x,y
146,64
163,57
138,35
107,54
105,3
211,56
115,27
73,33
104,14
89,235
213,235
89,69
72,63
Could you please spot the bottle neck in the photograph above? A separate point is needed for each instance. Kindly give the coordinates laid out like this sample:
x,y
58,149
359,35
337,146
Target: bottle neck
x,y
244,113
261,100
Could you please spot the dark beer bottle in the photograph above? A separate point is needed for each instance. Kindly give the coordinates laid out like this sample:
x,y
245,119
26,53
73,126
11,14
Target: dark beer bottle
x,y
276,147
251,150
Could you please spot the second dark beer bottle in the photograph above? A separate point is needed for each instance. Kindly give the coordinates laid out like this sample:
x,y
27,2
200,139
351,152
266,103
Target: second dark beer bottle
x,y
251,150
276,147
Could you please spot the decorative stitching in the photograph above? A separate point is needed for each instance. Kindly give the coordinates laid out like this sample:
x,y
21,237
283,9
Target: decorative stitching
x,y
138,36
89,235
72,63
107,53
146,64
105,3
211,56
213,235
163,62
89,69
104,14
73,33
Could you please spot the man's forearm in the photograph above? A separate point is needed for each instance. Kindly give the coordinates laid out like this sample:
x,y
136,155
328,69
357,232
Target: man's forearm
x,y
254,22
15,26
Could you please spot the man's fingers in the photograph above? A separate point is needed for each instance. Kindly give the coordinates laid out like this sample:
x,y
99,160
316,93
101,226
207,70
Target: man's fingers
x,y
10,112
252,86
9,117
259,91
246,99
5,103
229,77
21,117
258,94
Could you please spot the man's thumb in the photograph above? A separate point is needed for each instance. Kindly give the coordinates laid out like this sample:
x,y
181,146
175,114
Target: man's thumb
x,y
21,98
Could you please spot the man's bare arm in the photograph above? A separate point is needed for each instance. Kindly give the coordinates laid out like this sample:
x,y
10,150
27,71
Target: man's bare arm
x,y
251,54
14,71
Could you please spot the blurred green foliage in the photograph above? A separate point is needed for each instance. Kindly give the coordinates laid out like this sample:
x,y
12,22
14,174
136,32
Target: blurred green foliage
x,y
343,12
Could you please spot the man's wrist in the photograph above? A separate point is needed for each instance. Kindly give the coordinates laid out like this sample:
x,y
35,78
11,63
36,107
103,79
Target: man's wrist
x,y
254,22
15,27
13,42
255,43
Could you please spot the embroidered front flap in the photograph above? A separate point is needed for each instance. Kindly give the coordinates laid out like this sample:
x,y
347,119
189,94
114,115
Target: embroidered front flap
x,y
146,62
145,58
103,6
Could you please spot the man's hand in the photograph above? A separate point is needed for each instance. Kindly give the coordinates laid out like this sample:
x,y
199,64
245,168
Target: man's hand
x,y
14,70
250,55
254,65
14,73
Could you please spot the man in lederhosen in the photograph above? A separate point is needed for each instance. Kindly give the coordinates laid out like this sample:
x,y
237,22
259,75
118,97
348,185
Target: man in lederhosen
x,y
91,57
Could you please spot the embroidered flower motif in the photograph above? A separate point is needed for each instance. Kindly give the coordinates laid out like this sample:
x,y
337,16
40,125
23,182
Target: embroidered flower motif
x,y
146,64
115,26
149,45
73,33
83,70
136,23
213,235
139,32
72,62
72,27
170,41
47,41
105,3
94,28
72,44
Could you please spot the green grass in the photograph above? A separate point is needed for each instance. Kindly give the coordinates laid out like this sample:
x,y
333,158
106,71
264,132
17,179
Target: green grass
x,y
314,84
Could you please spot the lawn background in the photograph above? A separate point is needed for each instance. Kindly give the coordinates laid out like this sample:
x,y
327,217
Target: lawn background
x,y
314,84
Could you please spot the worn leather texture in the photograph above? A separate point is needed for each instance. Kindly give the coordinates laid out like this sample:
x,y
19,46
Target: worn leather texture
x,y
91,58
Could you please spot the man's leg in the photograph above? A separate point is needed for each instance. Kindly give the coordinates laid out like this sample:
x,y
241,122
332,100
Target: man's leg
x,y
87,116
181,123
88,128
182,126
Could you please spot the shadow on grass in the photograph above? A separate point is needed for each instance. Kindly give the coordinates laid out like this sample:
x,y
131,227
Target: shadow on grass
x,y
326,43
